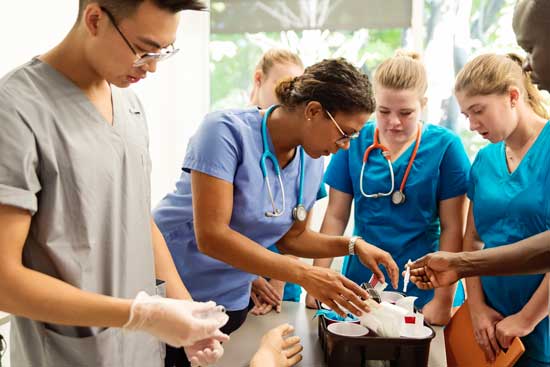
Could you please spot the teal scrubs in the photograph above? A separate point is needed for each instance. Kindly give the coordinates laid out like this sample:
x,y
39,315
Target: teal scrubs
x,y
410,230
509,207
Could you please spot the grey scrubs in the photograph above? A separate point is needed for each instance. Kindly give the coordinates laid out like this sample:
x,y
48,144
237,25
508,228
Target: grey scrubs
x,y
86,183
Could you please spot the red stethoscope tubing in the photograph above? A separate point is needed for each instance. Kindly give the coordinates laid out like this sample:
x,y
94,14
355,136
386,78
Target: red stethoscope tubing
x,y
386,152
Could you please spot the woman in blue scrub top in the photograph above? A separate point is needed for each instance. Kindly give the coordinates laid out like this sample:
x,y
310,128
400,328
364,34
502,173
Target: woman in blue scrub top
x,y
274,66
221,217
433,212
509,185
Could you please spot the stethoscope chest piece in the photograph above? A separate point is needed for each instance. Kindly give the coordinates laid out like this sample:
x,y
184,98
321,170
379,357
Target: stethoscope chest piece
x,y
299,213
398,197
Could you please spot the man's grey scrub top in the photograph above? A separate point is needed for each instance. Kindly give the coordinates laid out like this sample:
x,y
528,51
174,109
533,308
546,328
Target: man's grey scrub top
x,y
86,183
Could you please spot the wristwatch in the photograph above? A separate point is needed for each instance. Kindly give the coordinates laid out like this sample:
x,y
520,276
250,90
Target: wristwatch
x,y
351,244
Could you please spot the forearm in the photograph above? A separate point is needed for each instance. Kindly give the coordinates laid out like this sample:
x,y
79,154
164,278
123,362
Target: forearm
x,y
537,308
34,295
473,284
528,256
165,269
241,252
310,244
331,226
450,240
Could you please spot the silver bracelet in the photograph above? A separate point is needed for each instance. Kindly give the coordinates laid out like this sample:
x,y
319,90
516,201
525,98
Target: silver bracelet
x,y
351,244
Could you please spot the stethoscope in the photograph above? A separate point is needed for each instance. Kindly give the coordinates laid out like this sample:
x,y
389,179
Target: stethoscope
x,y
299,212
397,197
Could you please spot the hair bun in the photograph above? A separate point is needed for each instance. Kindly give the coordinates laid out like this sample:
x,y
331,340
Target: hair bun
x,y
408,53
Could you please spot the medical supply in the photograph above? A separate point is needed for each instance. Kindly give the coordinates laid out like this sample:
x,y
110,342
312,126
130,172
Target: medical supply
x,y
299,212
397,196
377,284
407,277
373,293
391,297
347,329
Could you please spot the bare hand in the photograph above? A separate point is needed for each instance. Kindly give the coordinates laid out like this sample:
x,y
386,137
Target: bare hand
x,y
261,306
484,321
436,312
278,349
372,256
438,269
265,290
510,327
311,302
335,290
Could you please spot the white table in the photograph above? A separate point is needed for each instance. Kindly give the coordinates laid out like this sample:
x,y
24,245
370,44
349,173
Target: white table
x,y
244,342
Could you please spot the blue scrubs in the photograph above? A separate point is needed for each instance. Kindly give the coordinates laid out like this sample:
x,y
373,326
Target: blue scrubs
x,y
410,230
509,207
228,145
292,292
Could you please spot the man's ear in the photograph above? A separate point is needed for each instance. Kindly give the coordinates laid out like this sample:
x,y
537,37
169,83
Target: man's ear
x,y
92,17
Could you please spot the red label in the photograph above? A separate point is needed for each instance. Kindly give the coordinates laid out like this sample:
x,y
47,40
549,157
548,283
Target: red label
x,y
410,319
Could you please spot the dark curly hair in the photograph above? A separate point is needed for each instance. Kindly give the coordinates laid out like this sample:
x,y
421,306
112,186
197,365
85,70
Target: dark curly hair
x,y
335,83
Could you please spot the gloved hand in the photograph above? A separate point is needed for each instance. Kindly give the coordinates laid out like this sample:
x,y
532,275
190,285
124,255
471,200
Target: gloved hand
x,y
176,322
204,352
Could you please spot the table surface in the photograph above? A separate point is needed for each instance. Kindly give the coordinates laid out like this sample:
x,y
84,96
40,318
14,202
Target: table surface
x,y
245,341
4,318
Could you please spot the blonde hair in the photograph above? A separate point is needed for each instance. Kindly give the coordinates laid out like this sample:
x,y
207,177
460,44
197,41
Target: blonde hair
x,y
277,56
495,74
402,71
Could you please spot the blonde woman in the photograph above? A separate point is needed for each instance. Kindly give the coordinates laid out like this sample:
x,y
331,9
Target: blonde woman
x,y
508,191
409,195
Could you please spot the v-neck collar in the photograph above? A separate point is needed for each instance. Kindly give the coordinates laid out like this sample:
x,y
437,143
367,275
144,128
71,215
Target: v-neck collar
x,y
79,93
526,157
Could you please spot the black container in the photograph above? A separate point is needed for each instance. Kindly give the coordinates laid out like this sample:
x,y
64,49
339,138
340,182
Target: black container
x,y
346,351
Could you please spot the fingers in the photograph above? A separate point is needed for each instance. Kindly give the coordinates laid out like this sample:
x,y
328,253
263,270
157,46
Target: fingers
x,y
283,329
293,347
485,344
392,269
419,264
493,342
353,303
503,339
310,302
220,336
269,294
422,283
255,299
294,360
266,308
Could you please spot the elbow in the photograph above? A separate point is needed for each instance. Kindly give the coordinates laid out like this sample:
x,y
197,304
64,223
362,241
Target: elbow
x,y
208,241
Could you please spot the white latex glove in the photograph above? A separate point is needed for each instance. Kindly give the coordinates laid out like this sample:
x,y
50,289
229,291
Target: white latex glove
x,y
204,352
176,322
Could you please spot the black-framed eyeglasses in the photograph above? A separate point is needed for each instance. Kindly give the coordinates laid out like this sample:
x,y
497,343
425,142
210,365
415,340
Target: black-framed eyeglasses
x,y
148,56
345,137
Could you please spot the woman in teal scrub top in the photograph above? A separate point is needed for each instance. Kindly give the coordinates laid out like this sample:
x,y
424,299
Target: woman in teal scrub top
x,y
429,168
509,185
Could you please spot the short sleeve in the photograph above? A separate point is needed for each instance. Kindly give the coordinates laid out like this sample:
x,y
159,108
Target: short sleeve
x,y
215,148
473,177
19,181
454,170
337,175
322,193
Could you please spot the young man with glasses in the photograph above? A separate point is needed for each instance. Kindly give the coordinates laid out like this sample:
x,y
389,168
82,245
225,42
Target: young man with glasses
x,y
77,240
